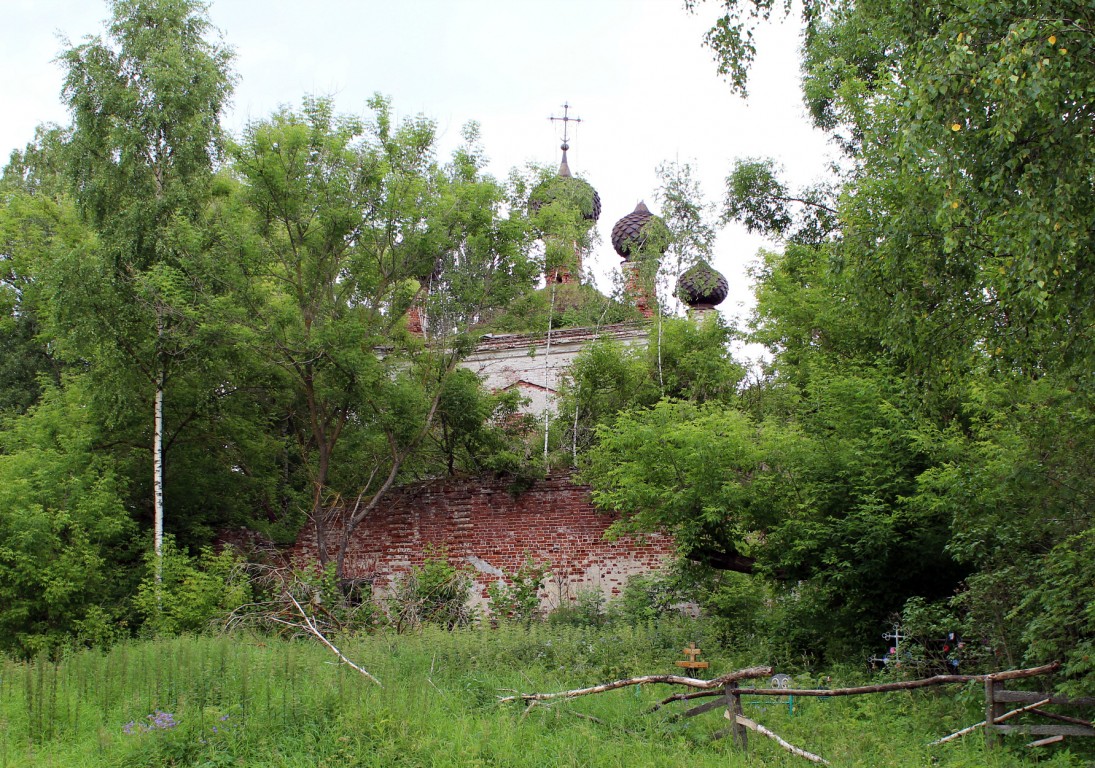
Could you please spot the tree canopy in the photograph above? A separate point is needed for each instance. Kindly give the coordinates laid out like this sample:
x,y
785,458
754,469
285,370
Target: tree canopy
x,y
216,327
928,319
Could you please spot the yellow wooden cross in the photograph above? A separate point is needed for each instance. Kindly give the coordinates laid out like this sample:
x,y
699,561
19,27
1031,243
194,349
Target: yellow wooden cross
x,y
692,652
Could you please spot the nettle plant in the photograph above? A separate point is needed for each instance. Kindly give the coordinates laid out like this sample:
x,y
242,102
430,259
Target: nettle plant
x,y
518,599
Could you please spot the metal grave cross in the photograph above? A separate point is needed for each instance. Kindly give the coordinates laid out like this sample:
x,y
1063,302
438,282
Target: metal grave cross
x,y
896,636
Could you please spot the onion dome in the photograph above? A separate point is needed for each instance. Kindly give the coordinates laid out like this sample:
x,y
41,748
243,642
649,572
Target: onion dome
x,y
639,230
568,188
702,287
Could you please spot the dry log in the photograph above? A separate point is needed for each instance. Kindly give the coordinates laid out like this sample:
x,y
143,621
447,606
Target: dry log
x,y
880,688
704,707
691,682
1025,697
1000,719
683,697
904,685
754,726
1033,729
1015,674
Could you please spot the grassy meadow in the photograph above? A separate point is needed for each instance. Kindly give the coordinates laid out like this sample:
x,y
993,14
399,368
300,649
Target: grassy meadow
x,y
249,700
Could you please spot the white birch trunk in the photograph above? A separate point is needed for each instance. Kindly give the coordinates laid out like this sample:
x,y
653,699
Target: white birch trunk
x,y
547,374
157,478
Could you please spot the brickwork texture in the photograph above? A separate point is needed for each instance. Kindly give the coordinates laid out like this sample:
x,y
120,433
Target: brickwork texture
x,y
491,530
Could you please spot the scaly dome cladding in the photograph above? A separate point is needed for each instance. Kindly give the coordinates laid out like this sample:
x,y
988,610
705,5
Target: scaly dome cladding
x,y
569,189
637,230
702,286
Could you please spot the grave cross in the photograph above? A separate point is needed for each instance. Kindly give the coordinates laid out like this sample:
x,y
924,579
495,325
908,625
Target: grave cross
x,y
692,652
897,637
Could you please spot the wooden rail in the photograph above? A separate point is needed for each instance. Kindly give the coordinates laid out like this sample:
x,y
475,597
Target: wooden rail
x,y
728,692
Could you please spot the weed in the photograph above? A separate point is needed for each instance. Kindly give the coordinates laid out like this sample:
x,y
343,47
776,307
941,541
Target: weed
x,y
256,700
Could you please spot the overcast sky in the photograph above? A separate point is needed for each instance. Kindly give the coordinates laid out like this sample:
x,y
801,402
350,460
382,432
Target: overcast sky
x,y
635,71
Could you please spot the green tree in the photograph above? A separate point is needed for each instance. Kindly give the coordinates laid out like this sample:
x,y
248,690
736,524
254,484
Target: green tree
x,y
66,538
605,379
37,223
967,210
354,224
954,273
475,430
145,104
759,199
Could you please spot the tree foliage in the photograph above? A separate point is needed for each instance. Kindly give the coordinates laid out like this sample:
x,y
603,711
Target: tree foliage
x,y
248,296
350,224
920,429
65,533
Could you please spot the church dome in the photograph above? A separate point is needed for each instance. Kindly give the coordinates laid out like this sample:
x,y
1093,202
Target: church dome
x,y
702,286
567,188
636,230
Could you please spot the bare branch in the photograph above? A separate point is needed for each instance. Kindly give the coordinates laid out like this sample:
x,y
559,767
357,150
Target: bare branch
x,y
310,625
754,726
691,682
1000,719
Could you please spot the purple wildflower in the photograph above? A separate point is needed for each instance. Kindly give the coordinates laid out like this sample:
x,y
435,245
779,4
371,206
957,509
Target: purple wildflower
x,y
162,720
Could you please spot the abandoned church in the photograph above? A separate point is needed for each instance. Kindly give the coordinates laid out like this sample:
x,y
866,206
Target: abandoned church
x,y
486,525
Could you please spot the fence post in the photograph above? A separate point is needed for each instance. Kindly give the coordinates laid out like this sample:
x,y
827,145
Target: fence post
x,y
733,707
993,710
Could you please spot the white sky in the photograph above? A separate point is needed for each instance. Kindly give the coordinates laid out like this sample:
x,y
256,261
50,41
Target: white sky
x,y
635,71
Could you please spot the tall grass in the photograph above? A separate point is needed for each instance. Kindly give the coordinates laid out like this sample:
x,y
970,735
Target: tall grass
x,y
257,701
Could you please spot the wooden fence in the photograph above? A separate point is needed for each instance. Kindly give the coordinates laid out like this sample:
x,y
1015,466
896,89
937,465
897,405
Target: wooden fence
x,y
727,693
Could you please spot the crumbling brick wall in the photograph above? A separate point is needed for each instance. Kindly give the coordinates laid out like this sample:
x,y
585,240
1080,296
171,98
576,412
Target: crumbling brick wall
x,y
491,529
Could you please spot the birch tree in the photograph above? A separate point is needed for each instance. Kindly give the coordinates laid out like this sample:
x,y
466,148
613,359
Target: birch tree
x,y
145,102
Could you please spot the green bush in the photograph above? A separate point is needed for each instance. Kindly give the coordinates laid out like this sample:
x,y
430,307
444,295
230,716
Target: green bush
x,y
1060,613
341,605
191,593
519,599
648,597
435,593
587,610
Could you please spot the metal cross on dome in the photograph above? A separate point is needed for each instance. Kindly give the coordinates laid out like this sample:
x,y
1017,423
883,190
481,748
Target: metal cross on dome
x,y
566,118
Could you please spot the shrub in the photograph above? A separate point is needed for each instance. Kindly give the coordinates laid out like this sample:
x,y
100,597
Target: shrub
x,y
587,610
518,600
648,597
191,592
436,593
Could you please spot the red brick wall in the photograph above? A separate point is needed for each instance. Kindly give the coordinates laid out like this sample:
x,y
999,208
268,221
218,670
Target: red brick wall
x,y
486,527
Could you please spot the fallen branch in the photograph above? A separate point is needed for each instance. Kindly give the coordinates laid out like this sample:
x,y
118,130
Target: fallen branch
x,y
310,626
1000,719
754,726
1044,742
683,697
597,720
1012,674
691,682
